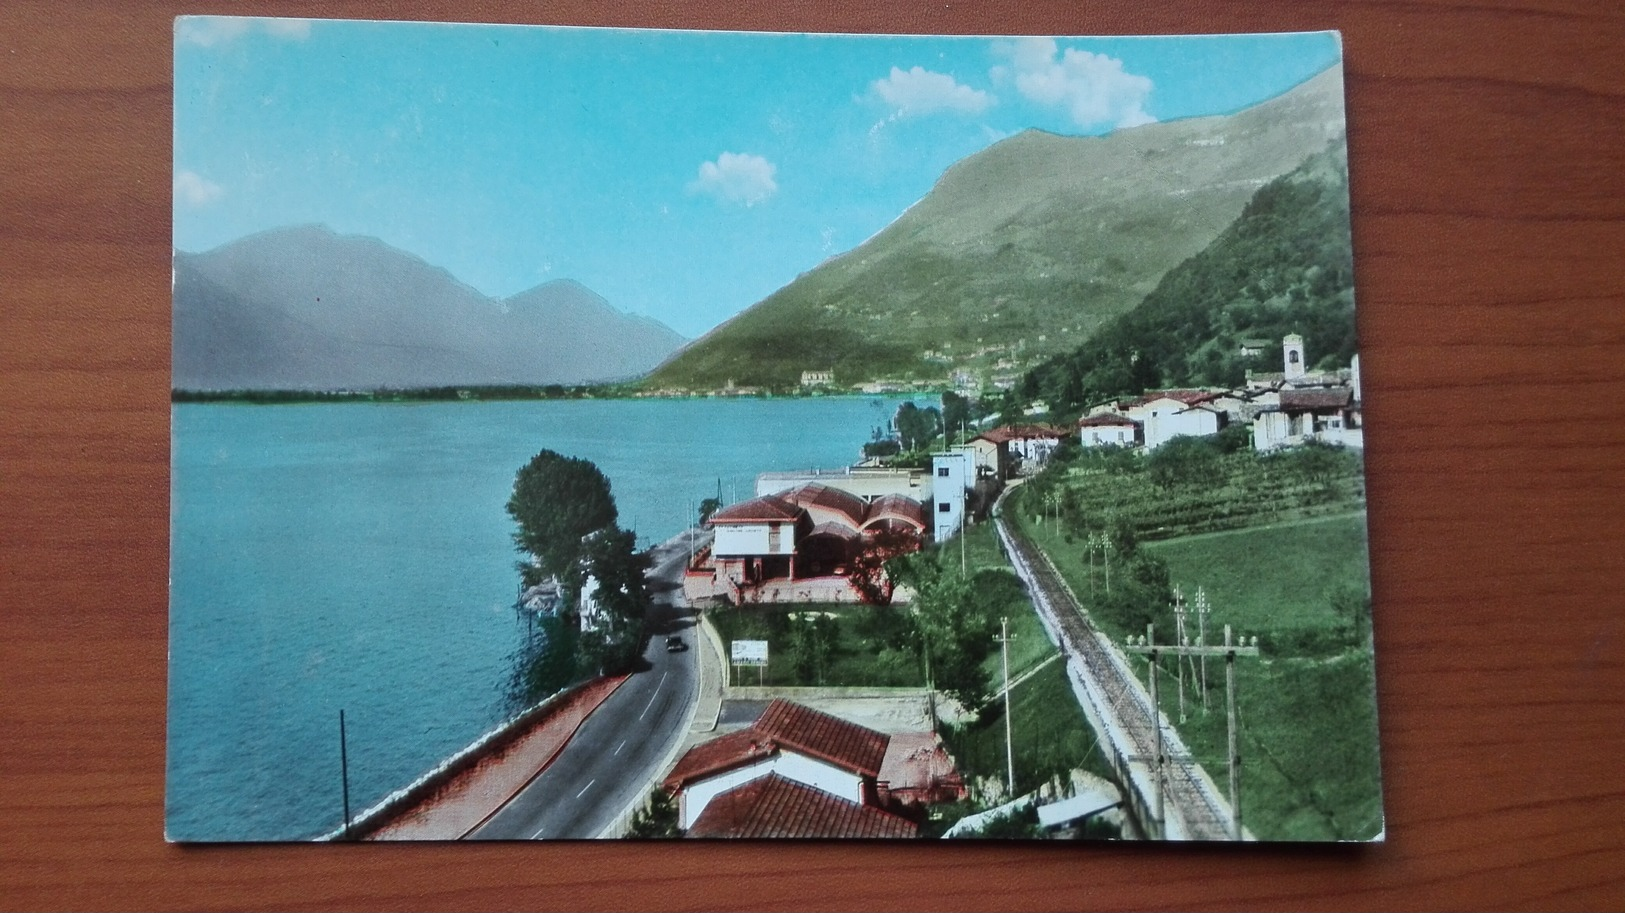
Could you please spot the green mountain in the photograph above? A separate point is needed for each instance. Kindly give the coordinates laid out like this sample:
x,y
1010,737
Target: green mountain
x,y
1018,253
1285,266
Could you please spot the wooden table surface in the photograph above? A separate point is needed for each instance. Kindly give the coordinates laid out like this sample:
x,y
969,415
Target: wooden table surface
x,y
1487,142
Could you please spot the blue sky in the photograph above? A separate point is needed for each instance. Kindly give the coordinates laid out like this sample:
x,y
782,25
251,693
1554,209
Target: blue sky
x,y
682,175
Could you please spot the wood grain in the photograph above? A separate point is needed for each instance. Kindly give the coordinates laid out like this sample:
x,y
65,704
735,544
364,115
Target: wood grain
x,y
1488,165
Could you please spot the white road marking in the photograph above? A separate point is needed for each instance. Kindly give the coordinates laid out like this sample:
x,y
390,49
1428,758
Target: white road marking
x,y
653,696
587,787
538,833
620,746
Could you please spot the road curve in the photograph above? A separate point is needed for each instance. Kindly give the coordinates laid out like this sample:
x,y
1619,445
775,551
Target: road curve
x,y
614,756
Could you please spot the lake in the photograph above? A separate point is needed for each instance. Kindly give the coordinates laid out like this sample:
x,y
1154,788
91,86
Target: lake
x,y
359,557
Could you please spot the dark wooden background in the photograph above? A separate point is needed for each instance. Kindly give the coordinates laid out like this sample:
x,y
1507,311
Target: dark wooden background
x,y
1487,143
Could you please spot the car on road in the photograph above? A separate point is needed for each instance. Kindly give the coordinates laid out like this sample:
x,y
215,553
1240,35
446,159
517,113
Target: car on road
x,y
674,644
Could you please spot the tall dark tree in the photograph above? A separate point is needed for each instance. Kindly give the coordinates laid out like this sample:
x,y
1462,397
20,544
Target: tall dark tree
x,y
916,427
615,635
955,413
557,501
708,507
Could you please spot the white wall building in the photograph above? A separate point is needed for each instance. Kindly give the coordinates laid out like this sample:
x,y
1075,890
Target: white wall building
x,y
1108,430
1162,426
952,475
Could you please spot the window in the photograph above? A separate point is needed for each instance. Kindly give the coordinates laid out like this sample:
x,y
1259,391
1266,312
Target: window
x,y
942,472
943,507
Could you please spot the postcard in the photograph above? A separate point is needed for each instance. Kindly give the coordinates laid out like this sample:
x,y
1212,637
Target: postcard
x,y
602,433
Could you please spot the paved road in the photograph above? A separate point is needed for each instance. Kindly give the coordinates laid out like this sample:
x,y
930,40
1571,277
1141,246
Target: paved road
x,y
614,755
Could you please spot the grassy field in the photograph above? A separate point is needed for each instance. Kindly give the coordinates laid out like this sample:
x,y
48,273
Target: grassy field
x,y
1308,722
1308,743
1050,734
855,658
1272,577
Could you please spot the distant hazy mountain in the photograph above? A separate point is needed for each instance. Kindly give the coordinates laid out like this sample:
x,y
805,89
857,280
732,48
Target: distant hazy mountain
x,y
1019,252
304,308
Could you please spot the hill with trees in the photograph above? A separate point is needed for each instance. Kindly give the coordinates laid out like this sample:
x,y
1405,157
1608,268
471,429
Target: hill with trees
x,y
1284,266
1019,252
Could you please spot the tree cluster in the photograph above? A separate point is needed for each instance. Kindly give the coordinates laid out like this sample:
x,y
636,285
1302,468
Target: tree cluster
x,y
954,621
917,427
566,520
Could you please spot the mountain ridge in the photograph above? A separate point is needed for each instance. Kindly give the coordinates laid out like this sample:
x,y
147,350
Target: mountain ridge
x,y
303,308
1017,253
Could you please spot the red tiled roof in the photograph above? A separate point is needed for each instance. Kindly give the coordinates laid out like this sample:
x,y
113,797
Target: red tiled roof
x,y
1309,400
732,750
916,765
896,507
776,807
817,494
768,508
838,530
819,735
1188,397
1106,419
1007,433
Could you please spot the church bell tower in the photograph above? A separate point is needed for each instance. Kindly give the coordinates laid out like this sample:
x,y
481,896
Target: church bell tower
x,y
1292,356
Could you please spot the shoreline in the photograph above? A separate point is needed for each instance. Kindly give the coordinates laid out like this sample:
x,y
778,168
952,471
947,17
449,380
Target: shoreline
x,y
456,395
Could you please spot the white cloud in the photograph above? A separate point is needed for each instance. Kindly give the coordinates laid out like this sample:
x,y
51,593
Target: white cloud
x,y
919,91
194,189
208,31
737,178
294,29
1093,88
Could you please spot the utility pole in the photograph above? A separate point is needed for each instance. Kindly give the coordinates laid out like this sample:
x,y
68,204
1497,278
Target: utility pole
x,y
1202,612
344,773
1009,745
1179,638
1241,647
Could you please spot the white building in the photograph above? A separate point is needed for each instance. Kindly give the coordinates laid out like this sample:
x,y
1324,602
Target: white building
x,y
1191,421
866,482
1108,430
796,772
953,473
1305,406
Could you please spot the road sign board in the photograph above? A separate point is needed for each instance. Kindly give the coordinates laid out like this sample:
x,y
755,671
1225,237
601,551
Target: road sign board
x,y
748,652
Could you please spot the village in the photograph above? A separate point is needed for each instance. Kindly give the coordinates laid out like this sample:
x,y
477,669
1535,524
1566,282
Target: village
x,y
815,537
798,538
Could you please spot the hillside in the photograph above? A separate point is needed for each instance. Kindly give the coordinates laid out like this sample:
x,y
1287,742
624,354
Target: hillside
x,y
1019,252
1284,266
304,308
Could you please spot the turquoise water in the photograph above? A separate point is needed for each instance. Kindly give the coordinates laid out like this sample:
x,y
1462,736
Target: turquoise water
x,y
359,557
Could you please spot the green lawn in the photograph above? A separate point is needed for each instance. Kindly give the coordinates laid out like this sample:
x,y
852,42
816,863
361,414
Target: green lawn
x,y
1270,578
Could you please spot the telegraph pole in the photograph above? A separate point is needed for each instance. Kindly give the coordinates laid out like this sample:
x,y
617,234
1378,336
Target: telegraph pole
x,y
1009,744
1179,638
1240,647
1202,611
344,772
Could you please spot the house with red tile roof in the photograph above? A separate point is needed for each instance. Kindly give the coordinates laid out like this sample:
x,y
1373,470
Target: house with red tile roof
x,y
799,772
796,543
1107,429
1018,449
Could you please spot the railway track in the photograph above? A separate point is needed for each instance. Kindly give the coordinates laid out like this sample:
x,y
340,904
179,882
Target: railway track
x,y
1187,791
